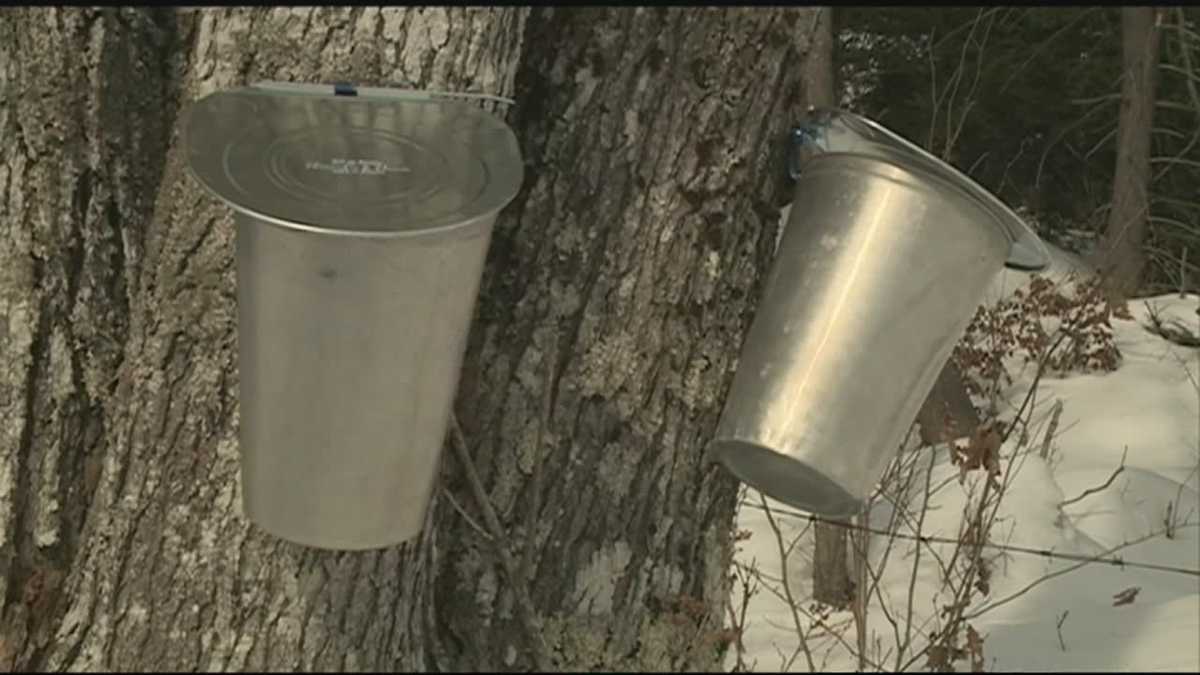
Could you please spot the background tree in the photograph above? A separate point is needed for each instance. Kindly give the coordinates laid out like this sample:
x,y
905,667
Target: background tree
x,y
1026,100
831,576
1017,97
1120,256
947,411
1172,244
617,292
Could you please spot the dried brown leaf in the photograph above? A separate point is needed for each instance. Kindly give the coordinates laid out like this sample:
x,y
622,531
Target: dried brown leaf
x,y
975,649
1126,597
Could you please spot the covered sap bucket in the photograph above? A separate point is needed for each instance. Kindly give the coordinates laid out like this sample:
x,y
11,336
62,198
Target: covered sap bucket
x,y
887,253
363,219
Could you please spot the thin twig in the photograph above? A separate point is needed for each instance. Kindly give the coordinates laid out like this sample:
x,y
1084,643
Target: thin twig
x,y
817,621
977,543
1171,330
1091,491
787,587
1183,274
520,587
463,512
1055,413
901,475
912,581
1093,559
1041,45
738,619
1045,553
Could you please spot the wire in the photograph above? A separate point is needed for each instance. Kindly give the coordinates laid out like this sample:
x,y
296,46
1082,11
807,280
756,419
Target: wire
x,y
1115,561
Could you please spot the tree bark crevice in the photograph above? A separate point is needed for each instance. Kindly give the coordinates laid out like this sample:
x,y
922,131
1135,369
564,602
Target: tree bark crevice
x,y
66,315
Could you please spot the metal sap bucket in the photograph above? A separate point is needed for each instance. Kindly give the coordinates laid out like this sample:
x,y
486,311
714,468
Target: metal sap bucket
x,y
887,253
363,219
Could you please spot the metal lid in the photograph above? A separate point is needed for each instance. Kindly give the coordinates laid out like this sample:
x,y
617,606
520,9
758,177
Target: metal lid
x,y
363,162
838,131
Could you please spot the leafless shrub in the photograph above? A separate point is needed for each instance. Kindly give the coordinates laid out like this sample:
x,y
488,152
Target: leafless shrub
x,y
1026,325
1170,329
747,584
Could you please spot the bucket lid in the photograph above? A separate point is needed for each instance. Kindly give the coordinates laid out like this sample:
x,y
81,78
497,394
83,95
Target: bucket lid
x,y
837,131
363,162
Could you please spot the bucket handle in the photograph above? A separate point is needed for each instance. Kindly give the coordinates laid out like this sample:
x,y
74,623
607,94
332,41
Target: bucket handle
x,y
350,89
804,138
800,137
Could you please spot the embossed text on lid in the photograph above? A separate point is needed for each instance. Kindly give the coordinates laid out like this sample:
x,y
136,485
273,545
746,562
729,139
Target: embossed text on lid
x,y
380,165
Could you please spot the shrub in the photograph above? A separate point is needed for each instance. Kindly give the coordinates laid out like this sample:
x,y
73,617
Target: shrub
x,y
1025,326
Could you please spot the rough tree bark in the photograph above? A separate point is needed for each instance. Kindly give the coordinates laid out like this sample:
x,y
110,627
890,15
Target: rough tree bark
x,y
819,67
630,263
655,145
1120,255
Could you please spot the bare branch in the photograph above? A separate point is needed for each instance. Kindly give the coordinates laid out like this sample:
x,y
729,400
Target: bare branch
x,y
1101,488
1173,330
462,512
1071,568
520,586
1038,48
1055,413
912,579
787,587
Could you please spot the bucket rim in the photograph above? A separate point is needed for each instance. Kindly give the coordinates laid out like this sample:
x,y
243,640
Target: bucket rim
x,y
1027,252
501,187
915,177
781,477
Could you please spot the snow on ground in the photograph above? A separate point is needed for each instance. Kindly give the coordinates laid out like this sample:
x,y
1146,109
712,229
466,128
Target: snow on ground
x,y
1149,408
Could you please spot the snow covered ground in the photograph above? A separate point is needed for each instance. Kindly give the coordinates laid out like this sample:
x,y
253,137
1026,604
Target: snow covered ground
x,y
1149,406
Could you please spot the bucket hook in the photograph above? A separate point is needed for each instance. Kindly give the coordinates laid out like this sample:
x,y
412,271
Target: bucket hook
x,y
807,139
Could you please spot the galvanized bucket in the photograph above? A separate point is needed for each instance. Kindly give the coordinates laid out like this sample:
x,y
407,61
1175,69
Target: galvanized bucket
x,y
886,255
363,219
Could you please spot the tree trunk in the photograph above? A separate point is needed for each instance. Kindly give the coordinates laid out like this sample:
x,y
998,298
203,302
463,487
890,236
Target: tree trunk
x,y
831,576
629,271
819,68
947,412
1120,255
630,264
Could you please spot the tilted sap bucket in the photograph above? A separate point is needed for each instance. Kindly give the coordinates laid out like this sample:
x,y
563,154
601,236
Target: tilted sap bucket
x,y
887,253
363,219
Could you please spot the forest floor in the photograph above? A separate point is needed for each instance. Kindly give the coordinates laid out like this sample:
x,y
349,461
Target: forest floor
x,y
1097,617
